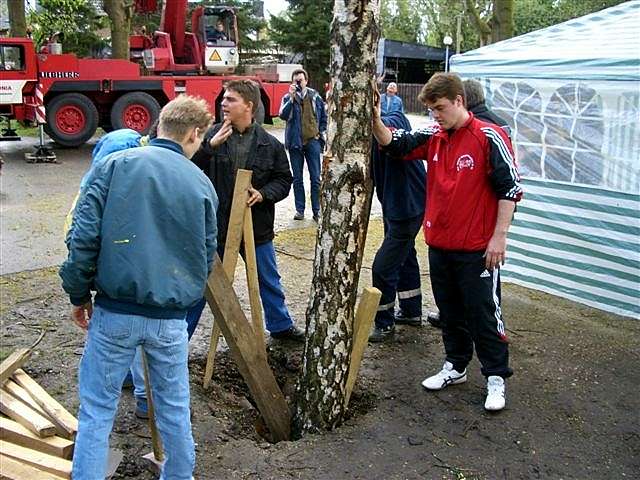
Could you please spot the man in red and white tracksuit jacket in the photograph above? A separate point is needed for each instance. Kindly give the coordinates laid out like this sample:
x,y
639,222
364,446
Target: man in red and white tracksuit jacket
x,y
472,189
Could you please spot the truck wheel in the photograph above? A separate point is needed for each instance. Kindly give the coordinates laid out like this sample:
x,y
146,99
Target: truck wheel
x,y
72,119
135,110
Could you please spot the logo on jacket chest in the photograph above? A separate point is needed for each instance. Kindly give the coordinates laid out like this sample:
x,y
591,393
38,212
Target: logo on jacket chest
x,y
464,161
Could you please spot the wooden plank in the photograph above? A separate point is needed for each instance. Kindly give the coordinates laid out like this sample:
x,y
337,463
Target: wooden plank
x,y
363,321
17,359
16,433
156,441
21,394
251,266
15,470
244,349
13,362
39,460
60,417
231,252
25,416
236,221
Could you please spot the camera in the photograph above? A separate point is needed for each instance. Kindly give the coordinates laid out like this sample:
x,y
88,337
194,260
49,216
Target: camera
x,y
298,85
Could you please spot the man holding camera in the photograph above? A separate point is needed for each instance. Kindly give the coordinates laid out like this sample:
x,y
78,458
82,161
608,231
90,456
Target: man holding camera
x,y
303,110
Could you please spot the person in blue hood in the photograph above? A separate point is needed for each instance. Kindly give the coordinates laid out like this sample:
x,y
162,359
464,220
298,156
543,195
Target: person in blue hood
x,y
112,142
400,188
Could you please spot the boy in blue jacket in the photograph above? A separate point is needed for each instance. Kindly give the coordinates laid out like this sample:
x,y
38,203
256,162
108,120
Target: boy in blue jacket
x,y
146,250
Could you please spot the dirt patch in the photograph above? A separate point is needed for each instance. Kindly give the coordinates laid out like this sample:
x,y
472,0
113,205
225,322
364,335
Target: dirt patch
x,y
572,405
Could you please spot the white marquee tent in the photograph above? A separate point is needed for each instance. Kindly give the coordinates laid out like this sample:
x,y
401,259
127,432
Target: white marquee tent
x,y
571,94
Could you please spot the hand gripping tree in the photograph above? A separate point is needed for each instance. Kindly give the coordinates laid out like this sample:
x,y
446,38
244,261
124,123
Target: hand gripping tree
x,y
345,207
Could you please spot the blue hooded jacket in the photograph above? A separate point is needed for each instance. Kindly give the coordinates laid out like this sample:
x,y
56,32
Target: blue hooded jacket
x,y
400,186
112,142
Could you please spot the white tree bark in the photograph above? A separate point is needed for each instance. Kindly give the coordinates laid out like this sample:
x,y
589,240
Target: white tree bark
x,y
345,204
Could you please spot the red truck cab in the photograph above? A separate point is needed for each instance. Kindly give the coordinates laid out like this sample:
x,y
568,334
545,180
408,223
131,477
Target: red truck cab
x,y
18,78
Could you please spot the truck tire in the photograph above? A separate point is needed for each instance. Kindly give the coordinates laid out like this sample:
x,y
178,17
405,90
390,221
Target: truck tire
x,y
135,110
72,119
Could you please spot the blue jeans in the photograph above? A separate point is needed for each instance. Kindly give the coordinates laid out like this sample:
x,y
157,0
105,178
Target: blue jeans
x,y
276,314
311,152
137,371
111,344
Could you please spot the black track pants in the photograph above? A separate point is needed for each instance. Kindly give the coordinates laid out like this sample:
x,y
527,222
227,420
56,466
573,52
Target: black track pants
x,y
395,270
468,297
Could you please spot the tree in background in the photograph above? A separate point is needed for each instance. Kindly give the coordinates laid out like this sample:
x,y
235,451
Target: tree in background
x,y
304,29
17,18
530,15
441,18
77,20
250,24
120,15
496,25
399,21
482,21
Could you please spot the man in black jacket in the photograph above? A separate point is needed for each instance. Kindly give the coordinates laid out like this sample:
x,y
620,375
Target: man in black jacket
x,y
475,103
239,142
400,187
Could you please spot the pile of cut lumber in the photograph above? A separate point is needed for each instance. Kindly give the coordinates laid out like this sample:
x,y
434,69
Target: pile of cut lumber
x,y
36,432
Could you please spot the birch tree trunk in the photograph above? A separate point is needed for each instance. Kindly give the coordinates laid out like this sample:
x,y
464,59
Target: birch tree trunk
x,y
345,204
120,13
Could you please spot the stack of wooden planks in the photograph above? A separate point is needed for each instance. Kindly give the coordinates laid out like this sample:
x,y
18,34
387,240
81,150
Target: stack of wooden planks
x,y
36,432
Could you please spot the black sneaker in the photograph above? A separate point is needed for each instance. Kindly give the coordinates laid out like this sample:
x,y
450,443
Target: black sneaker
x,y
316,217
298,216
402,319
434,319
142,409
294,334
382,334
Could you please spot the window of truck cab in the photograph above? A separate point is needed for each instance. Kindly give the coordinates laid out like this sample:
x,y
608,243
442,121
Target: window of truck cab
x,y
12,58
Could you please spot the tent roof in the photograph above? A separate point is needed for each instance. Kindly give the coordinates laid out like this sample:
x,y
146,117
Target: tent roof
x,y
604,45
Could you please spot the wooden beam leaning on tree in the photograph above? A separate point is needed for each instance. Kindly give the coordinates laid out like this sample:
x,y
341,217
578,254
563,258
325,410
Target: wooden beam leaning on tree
x,y
248,355
240,228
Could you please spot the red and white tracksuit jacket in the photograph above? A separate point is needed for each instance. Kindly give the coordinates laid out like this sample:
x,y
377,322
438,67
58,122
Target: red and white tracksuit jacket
x,y
469,170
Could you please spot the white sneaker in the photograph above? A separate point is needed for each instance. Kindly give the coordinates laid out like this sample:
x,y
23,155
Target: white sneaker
x,y
447,376
495,394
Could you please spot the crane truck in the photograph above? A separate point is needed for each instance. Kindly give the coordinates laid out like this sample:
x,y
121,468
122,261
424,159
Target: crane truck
x,y
81,94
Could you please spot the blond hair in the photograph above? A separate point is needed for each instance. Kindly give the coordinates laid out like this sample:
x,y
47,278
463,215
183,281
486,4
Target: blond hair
x,y
182,114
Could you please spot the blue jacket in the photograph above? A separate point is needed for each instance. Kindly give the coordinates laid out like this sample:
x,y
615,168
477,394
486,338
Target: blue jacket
x,y
400,185
144,233
395,104
291,112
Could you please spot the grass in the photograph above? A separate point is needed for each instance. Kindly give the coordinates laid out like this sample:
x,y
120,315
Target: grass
x,y
277,123
22,131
